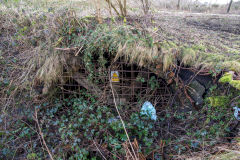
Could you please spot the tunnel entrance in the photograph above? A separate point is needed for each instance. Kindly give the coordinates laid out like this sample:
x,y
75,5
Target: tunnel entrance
x,y
131,84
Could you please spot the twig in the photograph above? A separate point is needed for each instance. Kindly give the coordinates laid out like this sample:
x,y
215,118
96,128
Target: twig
x,y
66,49
78,51
99,150
124,127
234,99
41,134
228,150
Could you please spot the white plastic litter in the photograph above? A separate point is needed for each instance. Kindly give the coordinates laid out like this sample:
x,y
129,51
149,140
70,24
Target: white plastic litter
x,y
149,110
236,113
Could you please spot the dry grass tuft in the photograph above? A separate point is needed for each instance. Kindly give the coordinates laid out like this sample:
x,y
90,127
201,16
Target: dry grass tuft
x,y
51,70
138,53
188,56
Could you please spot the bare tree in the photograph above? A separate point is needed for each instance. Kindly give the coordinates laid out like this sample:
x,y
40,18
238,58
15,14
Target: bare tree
x,y
178,5
229,6
145,6
120,7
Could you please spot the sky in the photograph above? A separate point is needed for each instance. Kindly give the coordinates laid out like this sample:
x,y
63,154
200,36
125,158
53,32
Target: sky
x,y
217,1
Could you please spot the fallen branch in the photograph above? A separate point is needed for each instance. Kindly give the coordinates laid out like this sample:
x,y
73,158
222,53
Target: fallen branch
x,y
84,82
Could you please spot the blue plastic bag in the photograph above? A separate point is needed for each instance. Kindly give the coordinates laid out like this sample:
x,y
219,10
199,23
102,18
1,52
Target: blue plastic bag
x,y
236,113
149,110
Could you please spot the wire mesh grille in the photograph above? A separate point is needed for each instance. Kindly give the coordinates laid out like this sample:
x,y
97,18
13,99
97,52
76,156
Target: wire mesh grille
x,y
135,84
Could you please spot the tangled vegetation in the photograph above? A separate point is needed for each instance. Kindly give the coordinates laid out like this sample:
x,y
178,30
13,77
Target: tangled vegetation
x,y
74,123
36,48
73,126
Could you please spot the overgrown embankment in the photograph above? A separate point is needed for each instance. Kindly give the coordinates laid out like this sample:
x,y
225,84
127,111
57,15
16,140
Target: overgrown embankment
x,y
38,49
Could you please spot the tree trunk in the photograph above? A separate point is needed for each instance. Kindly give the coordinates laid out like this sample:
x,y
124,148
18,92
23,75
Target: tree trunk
x,y
98,12
125,7
229,6
178,5
145,6
112,6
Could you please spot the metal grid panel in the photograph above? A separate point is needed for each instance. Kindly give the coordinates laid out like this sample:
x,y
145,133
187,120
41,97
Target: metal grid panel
x,y
128,89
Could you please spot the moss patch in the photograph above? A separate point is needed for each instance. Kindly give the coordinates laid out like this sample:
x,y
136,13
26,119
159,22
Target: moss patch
x,y
218,101
228,78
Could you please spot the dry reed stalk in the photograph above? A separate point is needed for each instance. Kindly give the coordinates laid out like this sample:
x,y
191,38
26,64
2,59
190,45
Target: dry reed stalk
x,y
124,127
99,151
41,134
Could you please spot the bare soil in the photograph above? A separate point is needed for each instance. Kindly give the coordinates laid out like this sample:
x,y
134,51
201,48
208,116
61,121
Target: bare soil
x,y
221,31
